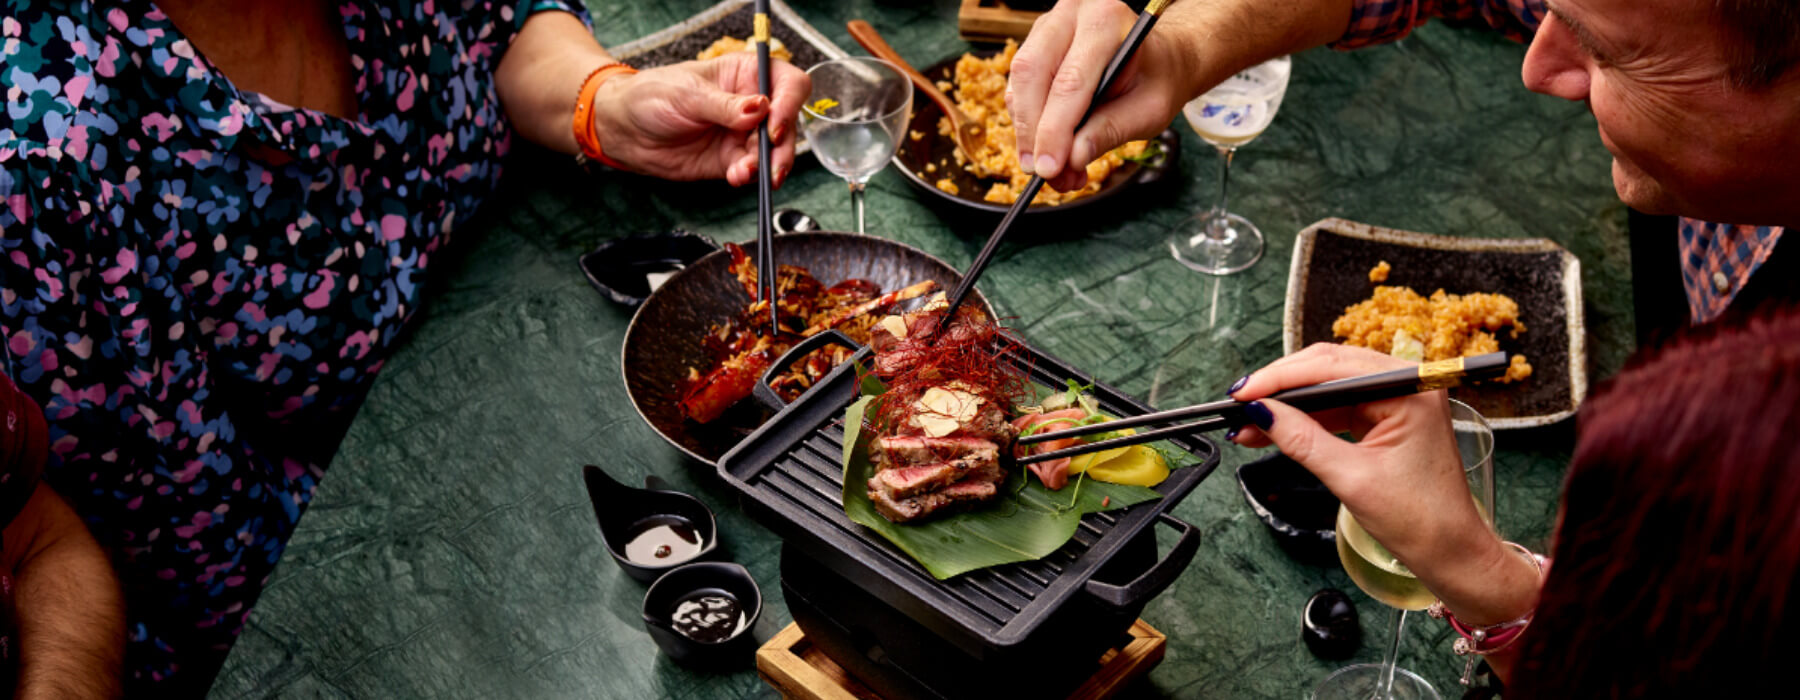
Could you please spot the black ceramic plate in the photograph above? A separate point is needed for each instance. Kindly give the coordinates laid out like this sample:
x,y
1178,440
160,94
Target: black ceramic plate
x,y
938,149
663,340
1330,272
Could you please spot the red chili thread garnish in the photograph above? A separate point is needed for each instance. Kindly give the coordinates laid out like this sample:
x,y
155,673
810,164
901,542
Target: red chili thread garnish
x,y
971,353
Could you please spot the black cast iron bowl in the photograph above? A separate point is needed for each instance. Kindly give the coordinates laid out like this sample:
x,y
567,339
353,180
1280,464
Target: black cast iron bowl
x,y
663,340
936,148
705,577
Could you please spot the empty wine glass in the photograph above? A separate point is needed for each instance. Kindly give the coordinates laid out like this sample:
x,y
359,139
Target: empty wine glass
x,y
1228,116
859,109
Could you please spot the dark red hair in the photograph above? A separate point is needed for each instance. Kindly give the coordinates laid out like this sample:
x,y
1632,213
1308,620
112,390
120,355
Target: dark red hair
x,y
1676,558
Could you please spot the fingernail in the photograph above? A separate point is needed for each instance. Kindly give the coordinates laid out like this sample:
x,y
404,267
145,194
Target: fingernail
x,y
1231,436
1239,384
1046,166
1260,414
1025,163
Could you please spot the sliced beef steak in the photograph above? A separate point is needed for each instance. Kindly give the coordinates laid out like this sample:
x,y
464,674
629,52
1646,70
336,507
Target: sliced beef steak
x,y
902,510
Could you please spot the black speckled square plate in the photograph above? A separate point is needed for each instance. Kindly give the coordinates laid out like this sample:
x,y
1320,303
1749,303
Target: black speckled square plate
x,y
685,40
1332,259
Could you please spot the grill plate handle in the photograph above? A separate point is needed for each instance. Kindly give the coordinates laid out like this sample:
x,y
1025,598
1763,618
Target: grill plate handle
x,y
1152,582
767,396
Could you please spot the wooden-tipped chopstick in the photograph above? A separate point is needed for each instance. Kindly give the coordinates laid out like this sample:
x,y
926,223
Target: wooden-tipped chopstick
x,y
765,205
1133,40
1230,413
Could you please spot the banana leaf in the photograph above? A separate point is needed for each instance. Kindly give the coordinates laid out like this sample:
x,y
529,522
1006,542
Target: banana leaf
x,y
1025,522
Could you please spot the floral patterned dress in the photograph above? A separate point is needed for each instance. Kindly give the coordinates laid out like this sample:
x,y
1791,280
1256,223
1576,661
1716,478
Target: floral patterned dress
x,y
198,284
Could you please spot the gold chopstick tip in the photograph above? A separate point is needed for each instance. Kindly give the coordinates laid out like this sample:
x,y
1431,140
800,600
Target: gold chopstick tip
x,y
1157,6
761,31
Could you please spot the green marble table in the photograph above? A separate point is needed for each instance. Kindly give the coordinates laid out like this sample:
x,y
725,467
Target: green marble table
x,y
452,551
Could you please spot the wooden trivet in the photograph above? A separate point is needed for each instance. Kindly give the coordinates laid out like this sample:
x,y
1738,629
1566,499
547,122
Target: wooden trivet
x,y
992,20
799,671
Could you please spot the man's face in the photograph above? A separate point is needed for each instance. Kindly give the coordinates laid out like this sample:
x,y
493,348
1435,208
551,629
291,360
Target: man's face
x,y
1684,139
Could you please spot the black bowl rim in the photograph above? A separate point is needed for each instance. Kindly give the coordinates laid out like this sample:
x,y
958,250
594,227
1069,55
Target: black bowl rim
x,y
676,237
631,328
712,538
733,568
1145,174
1268,517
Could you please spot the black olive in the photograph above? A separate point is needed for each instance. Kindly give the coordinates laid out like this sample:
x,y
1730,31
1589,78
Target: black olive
x,y
1329,625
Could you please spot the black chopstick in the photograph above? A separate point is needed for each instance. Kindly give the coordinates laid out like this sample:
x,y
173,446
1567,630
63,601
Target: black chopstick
x,y
1228,413
1133,40
765,206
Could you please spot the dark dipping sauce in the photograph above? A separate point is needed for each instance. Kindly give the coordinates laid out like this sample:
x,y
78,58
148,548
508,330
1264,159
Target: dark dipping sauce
x,y
708,615
660,540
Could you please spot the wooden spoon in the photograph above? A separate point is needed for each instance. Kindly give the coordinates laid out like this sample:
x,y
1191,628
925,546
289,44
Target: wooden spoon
x,y
968,132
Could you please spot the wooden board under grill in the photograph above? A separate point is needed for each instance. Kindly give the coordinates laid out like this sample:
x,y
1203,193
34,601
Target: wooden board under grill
x,y
799,671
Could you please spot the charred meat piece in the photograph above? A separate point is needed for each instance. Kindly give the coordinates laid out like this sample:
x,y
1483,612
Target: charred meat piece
x,y
912,480
902,510
890,451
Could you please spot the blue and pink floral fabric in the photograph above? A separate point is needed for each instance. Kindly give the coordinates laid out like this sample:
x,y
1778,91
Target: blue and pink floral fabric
x,y
198,284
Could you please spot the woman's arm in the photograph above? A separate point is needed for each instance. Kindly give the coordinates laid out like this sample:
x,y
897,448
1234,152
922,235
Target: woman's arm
x,y
70,611
689,121
1402,480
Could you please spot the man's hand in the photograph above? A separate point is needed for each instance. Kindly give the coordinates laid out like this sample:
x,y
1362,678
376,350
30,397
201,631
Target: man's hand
x,y
697,120
1197,44
1054,76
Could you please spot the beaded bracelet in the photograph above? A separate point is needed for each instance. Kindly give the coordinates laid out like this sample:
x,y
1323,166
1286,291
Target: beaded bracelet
x,y
586,136
1475,640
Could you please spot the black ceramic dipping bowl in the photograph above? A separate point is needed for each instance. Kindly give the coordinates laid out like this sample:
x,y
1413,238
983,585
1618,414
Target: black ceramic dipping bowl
x,y
1300,512
934,148
663,605
621,268
624,511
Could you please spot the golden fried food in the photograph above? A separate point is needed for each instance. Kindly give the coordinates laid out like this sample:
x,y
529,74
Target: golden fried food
x,y
732,44
1380,272
1397,321
979,90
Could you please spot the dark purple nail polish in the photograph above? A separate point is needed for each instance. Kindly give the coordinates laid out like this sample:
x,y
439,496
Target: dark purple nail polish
x,y
1232,435
1260,414
1239,384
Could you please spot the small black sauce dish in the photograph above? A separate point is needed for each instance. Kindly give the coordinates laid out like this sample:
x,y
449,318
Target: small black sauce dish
x,y
650,531
1329,625
702,615
628,269
1300,511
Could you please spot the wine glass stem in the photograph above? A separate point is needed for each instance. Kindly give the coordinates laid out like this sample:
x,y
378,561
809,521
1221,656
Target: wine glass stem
x,y
1386,688
1219,224
856,202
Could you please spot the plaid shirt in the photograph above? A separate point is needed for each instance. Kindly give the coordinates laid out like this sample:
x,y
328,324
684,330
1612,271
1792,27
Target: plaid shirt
x,y
1716,259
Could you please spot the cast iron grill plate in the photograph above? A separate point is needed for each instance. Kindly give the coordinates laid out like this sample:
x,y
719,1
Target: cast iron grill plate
x,y
790,472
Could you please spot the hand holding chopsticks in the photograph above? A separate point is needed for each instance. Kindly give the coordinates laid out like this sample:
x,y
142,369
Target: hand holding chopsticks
x,y
1230,413
765,206
1133,40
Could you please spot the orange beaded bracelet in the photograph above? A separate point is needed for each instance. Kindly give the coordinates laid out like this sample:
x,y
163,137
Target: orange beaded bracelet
x,y
585,135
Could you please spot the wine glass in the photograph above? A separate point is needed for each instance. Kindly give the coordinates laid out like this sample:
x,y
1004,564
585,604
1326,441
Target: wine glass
x,y
858,110
1230,115
1386,579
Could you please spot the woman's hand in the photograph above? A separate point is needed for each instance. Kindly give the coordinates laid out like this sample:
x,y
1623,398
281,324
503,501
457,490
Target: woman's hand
x,y
1056,71
1403,479
697,120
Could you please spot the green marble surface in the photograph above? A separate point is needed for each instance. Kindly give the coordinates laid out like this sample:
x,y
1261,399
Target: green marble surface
x,y
452,551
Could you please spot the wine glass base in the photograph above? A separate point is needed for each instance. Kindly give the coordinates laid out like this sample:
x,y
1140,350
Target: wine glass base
x,y
1237,250
1358,683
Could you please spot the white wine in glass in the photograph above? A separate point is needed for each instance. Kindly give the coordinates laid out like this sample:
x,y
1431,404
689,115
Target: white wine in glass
x,y
1375,570
1228,116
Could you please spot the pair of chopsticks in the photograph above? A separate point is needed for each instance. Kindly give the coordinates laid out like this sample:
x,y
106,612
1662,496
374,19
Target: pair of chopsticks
x,y
765,206
1133,40
1230,413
